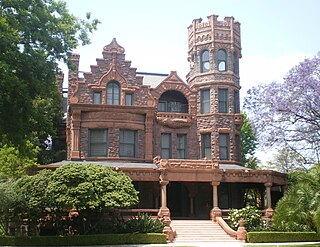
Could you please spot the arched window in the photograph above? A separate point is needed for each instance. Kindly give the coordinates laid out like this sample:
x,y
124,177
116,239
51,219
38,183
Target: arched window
x,y
113,93
173,101
205,64
222,60
235,63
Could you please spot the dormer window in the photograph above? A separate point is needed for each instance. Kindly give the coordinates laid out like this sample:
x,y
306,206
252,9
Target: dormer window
x,y
173,101
113,93
205,64
222,60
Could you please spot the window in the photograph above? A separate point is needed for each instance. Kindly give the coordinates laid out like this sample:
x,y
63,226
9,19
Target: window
x,y
238,148
236,102
223,100
128,143
166,146
205,101
222,60
205,64
173,101
97,98
113,93
98,142
235,63
206,146
129,99
181,146
224,146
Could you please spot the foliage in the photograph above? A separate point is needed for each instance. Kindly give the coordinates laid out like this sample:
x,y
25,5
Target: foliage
x,y
15,163
287,114
248,143
34,36
9,197
296,210
143,223
250,214
287,160
316,219
277,237
101,239
91,186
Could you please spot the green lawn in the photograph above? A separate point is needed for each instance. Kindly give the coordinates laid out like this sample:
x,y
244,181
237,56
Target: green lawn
x,y
287,245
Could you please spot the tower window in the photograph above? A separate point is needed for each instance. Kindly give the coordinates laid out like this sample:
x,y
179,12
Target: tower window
x,y
235,63
224,146
205,64
223,100
236,102
205,101
222,60
113,93
206,146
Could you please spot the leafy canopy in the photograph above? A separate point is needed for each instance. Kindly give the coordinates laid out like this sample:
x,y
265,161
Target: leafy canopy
x,y
288,114
34,36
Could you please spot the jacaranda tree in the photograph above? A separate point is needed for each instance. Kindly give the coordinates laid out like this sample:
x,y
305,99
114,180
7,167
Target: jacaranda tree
x,y
288,114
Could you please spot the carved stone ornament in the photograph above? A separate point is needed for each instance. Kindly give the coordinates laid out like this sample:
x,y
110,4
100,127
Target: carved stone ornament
x,y
113,47
174,122
188,164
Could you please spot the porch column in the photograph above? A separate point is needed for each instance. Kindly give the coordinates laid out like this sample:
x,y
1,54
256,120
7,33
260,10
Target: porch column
x,y
164,210
75,135
215,211
269,210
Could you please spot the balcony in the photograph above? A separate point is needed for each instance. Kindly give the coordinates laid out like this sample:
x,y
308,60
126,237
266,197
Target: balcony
x,y
174,119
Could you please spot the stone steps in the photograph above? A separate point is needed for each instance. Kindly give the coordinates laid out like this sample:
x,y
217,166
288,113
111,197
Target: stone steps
x,y
204,231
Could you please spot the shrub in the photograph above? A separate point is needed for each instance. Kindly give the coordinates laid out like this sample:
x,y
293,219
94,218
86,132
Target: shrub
x,y
316,219
250,214
273,237
106,239
143,223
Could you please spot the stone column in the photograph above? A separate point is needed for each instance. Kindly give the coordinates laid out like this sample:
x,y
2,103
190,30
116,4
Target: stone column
x,y
75,135
148,137
269,210
215,211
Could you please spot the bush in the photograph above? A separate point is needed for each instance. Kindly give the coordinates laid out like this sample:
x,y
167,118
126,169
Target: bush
x,y
316,219
107,239
275,237
141,224
250,214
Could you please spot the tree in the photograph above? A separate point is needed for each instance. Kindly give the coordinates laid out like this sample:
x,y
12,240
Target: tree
x,y
287,161
287,114
248,143
297,210
34,36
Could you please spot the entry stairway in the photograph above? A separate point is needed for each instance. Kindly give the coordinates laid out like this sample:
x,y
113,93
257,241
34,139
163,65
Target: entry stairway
x,y
196,231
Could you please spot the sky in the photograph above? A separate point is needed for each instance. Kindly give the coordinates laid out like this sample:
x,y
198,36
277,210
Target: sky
x,y
275,34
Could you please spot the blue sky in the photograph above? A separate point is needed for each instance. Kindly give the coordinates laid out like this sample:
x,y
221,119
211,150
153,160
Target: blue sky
x,y
275,34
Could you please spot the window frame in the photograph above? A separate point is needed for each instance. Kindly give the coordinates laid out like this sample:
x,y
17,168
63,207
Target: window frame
x,y
91,143
223,100
111,99
222,60
131,101
123,144
235,63
205,137
94,98
236,101
169,148
205,60
181,149
205,103
225,148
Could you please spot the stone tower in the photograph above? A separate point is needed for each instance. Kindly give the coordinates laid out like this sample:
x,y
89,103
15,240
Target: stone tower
x,y
214,49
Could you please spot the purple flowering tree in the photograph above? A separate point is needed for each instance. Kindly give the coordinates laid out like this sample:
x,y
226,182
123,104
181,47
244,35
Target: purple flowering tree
x,y
288,114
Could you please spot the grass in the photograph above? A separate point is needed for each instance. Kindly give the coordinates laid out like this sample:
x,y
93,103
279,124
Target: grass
x,y
284,245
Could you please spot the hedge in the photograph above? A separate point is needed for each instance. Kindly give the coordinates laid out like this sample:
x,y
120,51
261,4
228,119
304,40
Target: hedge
x,y
101,239
276,237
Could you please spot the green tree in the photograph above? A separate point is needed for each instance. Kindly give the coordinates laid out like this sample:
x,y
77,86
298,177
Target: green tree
x,y
248,144
297,210
34,36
